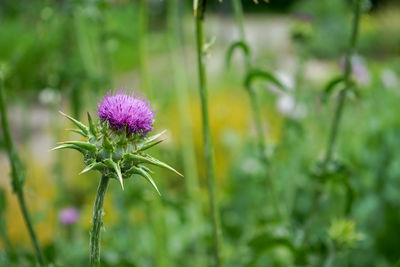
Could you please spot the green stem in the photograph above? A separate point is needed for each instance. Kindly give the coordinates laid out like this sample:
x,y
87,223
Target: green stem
x,y
97,221
180,82
347,81
106,80
188,152
255,107
157,219
17,174
143,45
208,147
238,10
338,111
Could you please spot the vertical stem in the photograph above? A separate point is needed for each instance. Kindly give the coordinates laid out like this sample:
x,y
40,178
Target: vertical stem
x,y
258,122
208,148
104,56
143,45
157,221
188,153
17,174
180,82
339,109
255,106
342,96
238,10
97,221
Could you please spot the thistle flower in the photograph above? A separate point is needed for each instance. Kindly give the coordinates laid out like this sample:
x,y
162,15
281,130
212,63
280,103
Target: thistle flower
x,y
123,109
116,146
68,215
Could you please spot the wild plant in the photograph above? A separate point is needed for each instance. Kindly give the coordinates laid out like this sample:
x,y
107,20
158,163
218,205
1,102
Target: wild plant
x,y
18,175
116,147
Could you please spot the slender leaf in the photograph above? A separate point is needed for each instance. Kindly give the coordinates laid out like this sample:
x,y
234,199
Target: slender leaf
x,y
147,176
92,128
148,145
69,146
93,166
150,160
83,145
258,74
331,86
110,163
234,46
79,124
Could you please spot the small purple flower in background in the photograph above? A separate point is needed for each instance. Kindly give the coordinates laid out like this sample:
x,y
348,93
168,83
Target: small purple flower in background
x,y
68,216
359,69
127,109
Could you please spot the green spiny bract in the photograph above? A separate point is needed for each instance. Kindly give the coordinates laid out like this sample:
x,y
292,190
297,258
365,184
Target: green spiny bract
x,y
116,154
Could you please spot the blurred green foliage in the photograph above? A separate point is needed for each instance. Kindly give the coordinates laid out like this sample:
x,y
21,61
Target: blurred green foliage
x,y
80,49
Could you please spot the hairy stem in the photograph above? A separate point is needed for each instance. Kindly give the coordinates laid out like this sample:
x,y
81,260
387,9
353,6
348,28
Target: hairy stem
x,y
17,173
95,234
347,81
208,147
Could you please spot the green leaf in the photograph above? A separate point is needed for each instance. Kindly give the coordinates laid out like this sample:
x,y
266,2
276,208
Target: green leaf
x,y
150,160
265,241
77,132
110,163
258,74
148,142
83,145
93,166
107,145
79,124
92,128
147,176
146,168
331,86
236,45
148,145
69,146
3,201
151,138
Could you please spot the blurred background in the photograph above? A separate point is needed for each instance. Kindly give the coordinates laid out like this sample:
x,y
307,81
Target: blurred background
x,y
65,55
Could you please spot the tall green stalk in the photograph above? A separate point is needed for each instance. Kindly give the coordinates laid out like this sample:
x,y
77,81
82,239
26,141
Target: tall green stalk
x,y
333,133
180,84
347,83
143,44
156,205
208,147
17,173
95,234
255,107
178,68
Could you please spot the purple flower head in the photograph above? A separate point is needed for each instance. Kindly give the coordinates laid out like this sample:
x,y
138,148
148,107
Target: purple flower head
x,y
68,215
127,109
